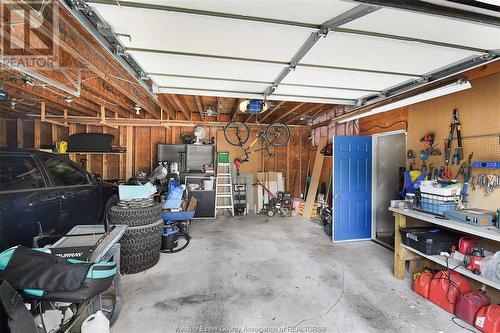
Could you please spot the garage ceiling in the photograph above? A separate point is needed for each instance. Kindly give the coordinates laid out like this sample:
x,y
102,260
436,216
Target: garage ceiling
x,y
275,49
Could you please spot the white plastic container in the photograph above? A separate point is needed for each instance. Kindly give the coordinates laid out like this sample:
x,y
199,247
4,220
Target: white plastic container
x,y
96,323
208,184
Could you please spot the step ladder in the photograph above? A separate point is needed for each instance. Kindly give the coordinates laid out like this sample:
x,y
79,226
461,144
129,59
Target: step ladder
x,y
223,186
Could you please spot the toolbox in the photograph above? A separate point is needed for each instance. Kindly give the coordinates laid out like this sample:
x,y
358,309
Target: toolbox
x,y
474,216
428,240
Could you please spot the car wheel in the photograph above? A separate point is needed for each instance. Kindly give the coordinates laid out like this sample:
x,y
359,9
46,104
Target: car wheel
x,y
106,218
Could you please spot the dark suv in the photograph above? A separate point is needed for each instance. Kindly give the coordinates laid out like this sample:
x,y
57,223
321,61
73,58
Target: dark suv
x,y
48,192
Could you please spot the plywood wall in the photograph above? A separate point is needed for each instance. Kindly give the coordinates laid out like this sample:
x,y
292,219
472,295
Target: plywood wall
x,y
479,114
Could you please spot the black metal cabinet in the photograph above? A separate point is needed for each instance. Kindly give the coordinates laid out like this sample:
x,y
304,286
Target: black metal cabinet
x,y
191,159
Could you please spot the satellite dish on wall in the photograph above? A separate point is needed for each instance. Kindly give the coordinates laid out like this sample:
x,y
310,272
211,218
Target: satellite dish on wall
x,y
199,133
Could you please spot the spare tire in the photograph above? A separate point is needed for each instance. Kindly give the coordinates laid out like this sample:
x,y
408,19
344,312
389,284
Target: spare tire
x,y
134,217
140,247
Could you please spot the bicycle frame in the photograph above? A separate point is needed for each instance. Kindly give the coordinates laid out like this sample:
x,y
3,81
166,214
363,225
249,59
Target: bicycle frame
x,y
247,152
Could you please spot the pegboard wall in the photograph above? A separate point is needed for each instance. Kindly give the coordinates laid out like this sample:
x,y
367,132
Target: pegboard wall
x,y
479,109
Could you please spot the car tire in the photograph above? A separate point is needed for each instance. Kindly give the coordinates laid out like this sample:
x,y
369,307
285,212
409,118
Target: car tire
x,y
106,216
140,247
135,217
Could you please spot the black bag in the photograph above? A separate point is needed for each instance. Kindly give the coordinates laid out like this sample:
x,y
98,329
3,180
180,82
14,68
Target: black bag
x,y
14,316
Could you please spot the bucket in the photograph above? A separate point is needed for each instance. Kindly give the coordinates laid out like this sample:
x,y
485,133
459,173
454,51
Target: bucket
x,y
208,184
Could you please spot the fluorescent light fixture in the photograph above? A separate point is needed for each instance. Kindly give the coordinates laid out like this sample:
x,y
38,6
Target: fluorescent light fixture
x,y
441,91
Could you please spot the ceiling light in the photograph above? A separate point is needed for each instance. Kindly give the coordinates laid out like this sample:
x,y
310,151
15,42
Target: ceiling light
x,y
68,100
441,91
137,109
13,103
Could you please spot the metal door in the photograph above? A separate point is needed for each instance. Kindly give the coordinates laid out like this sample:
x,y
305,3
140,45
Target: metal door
x,y
352,186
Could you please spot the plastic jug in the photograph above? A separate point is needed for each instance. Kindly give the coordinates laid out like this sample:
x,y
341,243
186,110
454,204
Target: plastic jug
x,y
96,323
444,295
422,284
469,304
488,319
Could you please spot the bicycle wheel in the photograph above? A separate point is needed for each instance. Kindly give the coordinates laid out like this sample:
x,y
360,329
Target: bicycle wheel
x,y
236,133
277,134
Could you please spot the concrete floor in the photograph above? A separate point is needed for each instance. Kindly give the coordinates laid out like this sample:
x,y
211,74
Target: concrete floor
x,y
258,272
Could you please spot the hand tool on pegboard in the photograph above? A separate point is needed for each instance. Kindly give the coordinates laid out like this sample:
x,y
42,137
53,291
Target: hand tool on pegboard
x,y
465,171
457,157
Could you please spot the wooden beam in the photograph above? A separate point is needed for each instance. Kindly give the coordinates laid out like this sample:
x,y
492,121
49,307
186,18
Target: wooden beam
x,y
36,134
295,108
270,112
105,163
311,110
103,118
33,93
181,104
20,133
316,173
199,106
218,109
130,153
236,108
43,118
80,44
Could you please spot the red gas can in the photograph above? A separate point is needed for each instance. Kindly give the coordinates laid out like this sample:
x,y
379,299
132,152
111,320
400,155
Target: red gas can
x,y
422,283
445,295
469,304
488,319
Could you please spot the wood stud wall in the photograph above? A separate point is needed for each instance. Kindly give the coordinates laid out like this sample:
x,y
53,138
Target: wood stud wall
x,y
141,143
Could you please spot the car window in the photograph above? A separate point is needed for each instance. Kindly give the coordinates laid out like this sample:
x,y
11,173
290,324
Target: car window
x,y
19,173
64,173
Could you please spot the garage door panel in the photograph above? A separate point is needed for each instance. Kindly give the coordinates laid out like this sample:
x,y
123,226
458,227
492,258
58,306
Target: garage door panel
x,y
161,30
163,81
343,78
305,11
392,21
356,51
319,92
207,67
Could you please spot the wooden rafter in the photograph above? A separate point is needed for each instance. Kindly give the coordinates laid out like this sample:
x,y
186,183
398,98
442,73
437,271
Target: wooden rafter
x,y
78,43
199,106
181,104
236,108
291,111
270,112
311,110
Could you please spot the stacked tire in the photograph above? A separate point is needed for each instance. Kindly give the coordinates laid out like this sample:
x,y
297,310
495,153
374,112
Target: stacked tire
x,y
141,243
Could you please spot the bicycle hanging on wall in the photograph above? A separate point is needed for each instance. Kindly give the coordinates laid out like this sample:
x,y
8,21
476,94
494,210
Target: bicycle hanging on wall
x,y
237,134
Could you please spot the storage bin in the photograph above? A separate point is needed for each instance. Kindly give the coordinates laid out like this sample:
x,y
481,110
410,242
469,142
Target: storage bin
x,y
435,207
428,240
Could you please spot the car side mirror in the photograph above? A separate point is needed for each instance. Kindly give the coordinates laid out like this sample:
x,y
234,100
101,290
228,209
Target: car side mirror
x,y
96,177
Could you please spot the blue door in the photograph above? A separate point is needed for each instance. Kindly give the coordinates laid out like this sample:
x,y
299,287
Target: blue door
x,y
352,187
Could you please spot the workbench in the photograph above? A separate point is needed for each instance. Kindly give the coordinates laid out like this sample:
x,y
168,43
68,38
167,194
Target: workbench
x,y
403,253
